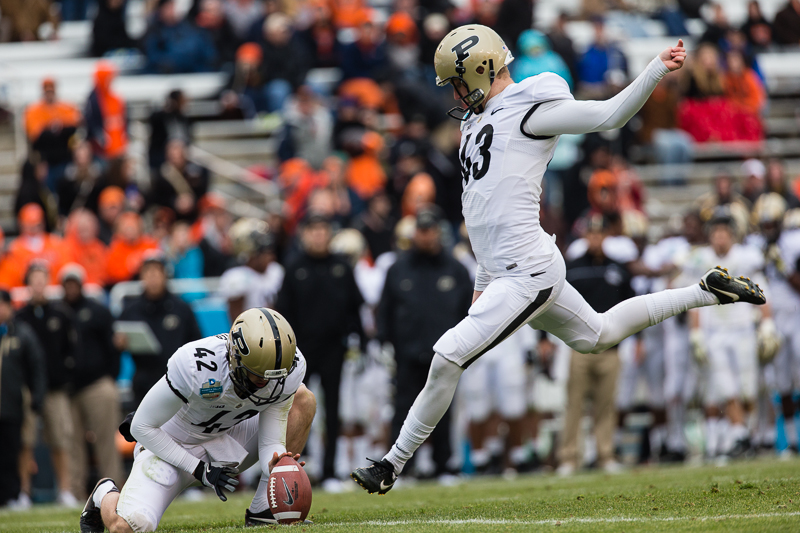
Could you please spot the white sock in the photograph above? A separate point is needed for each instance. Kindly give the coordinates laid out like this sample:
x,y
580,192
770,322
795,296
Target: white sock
x,y
712,436
260,501
676,441
656,440
429,407
101,492
343,457
412,435
479,458
664,304
361,450
635,314
495,445
518,455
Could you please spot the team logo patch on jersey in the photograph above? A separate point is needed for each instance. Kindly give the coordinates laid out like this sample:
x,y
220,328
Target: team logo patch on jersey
x,y
211,389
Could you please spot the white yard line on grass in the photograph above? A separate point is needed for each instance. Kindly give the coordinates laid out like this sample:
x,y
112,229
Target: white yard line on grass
x,y
501,521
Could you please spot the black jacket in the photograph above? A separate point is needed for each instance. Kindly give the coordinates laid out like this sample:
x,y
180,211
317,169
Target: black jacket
x,y
321,301
173,324
165,125
54,327
22,365
109,31
602,282
423,297
96,356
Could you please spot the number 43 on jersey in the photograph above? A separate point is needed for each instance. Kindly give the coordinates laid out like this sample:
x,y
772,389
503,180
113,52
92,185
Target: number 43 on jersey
x,y
478,168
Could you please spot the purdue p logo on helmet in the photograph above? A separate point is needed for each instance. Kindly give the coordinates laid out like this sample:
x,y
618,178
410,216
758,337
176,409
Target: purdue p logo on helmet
x,y
262,343
473,54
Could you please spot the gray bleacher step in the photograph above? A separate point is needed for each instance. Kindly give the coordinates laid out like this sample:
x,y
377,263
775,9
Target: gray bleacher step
x,y
227,129
738,149
9,183
240,148
8,162
783,126
783,107
653,175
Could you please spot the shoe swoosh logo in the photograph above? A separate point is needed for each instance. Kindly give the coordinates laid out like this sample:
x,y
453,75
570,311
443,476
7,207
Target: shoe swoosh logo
x,y
290,501
733,296
496,110
385,486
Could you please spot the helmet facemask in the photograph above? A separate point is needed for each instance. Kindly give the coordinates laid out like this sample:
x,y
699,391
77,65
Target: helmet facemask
x,y
473,99
246,389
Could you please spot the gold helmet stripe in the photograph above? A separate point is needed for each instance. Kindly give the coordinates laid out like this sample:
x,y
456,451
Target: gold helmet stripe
x,y
275,333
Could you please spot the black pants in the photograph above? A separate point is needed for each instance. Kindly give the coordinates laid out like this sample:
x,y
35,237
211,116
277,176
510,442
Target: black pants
x,y
10,444
328,366
411,378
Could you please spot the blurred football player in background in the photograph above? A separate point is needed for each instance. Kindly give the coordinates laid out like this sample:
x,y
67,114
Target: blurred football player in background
x,y
256,281
724,341
780,242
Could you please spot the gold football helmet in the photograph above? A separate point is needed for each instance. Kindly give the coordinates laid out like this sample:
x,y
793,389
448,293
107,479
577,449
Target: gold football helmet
x,y
250,236
262,343
473,54
768,213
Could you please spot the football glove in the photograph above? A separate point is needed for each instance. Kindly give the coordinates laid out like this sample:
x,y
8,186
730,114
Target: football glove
x,y
769,341
218,476
697,342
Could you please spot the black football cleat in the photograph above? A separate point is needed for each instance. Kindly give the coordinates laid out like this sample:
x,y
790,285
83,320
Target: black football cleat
x,y
728,289
264,518
91,520
378,477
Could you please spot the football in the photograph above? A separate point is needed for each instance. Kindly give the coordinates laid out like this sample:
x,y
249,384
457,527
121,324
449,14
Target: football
x,y
289,492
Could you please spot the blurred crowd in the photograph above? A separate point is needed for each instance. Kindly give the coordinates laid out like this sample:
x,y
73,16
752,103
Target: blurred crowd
x,y
364,251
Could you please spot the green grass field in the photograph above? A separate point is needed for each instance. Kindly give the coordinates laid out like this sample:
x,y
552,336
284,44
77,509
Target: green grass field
x,y
762,495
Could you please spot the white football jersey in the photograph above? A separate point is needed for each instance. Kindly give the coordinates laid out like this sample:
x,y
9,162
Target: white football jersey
x,y
741,260
258,290
199,374
782,296
502,170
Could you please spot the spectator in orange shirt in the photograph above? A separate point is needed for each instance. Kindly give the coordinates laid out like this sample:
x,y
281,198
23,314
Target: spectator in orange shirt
x,y
347,13
128,248
82,246
50,125
742,85
365,174
297,179
106,116
32,244
110,204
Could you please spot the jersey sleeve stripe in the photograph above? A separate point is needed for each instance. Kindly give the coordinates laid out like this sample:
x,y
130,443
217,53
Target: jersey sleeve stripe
x,y
176,391
525,119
